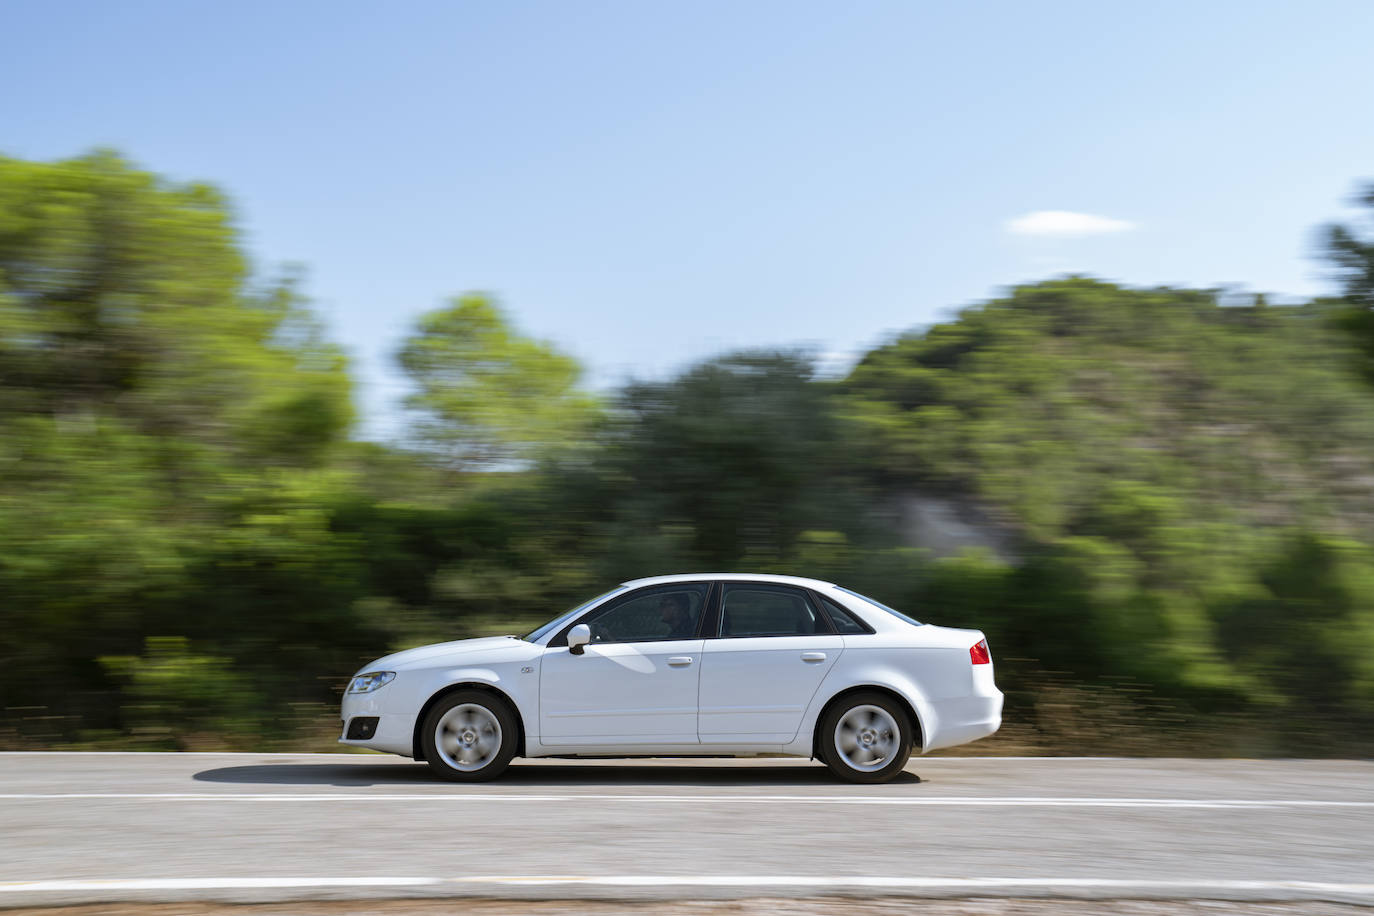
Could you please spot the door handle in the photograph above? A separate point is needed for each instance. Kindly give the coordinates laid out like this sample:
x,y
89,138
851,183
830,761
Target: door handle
x,y
680,661
813,656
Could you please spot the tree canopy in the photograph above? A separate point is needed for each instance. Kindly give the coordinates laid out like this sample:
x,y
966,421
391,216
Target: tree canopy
x,y
486,395
1351,252
165,423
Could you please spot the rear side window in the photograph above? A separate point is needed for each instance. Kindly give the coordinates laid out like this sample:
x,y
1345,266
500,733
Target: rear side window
x,y
769,610
846,624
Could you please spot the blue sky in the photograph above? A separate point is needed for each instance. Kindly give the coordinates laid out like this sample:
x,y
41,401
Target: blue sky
x,y
649,183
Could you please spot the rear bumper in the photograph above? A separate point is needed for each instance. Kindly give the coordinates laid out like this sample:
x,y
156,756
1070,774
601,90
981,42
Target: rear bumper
x,y
966,719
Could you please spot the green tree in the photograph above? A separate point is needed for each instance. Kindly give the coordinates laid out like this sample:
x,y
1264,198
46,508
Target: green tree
x,y
724,466
156,403
1351,252
1048,402
126,298
487,396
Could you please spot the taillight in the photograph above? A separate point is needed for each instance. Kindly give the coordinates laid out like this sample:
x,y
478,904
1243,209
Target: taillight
x,y
979,653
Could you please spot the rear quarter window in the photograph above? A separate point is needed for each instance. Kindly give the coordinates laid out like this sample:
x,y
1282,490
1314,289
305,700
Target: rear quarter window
x,y
880,606
846,624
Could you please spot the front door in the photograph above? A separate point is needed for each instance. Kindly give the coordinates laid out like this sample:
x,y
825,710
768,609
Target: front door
x,y
636,682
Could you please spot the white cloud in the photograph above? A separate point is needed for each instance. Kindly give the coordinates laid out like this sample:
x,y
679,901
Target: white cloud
x,y
1065,224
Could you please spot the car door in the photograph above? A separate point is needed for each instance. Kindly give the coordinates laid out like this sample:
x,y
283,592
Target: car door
x,y
773,648
636,682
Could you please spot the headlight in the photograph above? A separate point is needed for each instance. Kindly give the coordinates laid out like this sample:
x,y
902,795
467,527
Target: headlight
x,y
372,680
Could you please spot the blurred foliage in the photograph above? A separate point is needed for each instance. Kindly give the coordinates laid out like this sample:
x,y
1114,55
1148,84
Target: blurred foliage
x,y
1351,253
487,396
725,465
167,429
169,695
1190,481
1176,493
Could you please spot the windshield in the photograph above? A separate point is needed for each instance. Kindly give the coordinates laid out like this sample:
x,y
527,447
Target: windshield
x,y
880,606
541,632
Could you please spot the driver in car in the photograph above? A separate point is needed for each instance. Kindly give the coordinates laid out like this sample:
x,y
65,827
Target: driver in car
x,y
673,611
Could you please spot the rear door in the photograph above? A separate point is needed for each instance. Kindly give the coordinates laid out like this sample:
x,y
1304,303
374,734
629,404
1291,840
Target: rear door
x,y
773,647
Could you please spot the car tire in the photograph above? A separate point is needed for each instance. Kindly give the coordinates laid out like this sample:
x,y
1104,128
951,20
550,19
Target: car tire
x,y
469,736
865,737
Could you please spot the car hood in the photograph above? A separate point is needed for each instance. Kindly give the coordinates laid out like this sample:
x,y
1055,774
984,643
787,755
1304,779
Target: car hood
x,y
458,648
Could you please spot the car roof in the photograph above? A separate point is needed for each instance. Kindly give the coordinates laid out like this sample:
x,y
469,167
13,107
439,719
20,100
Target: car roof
x,y
731,577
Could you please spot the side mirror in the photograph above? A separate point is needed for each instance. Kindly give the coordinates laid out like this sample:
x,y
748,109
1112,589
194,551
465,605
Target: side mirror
x,y
578,637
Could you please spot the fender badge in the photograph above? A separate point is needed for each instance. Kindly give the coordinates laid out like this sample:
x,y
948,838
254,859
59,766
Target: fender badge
x,y
528,669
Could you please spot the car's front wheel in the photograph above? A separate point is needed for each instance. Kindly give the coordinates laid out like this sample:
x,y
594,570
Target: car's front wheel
x,y
865,737
469,736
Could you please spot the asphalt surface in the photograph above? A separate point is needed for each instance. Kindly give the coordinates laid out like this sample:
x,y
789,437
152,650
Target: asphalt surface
x,y
223,827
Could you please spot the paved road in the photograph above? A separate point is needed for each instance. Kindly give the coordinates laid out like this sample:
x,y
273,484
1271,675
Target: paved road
x,y
94,827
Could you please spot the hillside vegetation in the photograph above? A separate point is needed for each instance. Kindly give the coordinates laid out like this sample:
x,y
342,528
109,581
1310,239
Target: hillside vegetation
x,y
195,552
1194,483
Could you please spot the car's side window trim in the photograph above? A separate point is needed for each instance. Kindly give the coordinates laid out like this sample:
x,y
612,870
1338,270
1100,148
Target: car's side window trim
x,y
606,607
825,604
816,609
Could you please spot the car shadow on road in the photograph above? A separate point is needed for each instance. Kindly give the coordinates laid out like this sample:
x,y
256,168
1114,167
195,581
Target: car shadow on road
x,y
533,775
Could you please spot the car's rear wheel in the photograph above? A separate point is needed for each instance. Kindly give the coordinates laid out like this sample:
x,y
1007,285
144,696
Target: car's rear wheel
x,y
865,737
470,736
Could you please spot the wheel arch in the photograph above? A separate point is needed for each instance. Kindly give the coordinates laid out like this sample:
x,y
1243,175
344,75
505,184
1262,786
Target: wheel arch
x,y
918,729
417,744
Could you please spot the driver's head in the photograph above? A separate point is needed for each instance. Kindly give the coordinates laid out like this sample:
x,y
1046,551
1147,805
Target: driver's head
x,y
672,609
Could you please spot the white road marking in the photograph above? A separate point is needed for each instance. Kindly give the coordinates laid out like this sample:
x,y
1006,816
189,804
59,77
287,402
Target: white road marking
x,y
1118,885
896,800
195,884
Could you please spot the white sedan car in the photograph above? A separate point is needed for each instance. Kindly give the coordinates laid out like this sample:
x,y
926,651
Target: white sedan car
x,y
695,665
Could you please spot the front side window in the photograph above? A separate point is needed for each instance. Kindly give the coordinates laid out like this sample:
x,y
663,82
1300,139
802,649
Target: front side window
x,y
544,630
665,612
768,610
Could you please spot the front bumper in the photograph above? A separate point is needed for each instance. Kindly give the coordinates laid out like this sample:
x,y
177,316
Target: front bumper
x,y
393,732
